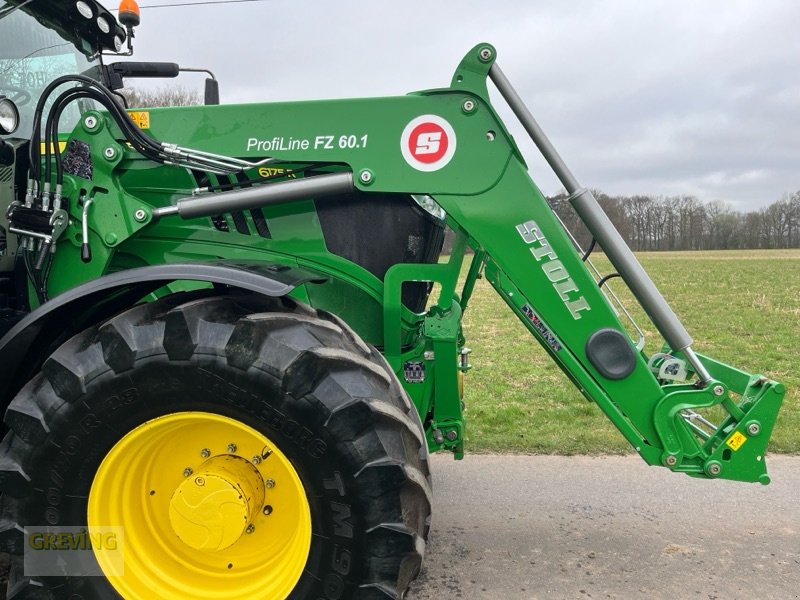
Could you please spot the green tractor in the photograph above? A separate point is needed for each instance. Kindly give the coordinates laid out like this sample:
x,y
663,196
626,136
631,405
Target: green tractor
x,y
223,365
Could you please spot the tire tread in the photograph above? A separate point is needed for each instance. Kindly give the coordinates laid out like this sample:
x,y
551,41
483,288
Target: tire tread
x,y
315,357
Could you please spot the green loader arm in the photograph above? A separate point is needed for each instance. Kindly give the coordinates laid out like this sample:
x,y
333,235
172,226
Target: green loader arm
x,y
449,146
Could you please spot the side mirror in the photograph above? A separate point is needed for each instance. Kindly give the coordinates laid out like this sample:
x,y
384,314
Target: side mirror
x,y
211,97
212,92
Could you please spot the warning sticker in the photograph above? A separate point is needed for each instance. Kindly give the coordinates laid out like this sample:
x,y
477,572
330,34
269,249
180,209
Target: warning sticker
x,y
141,118
736,440
428,143
61,147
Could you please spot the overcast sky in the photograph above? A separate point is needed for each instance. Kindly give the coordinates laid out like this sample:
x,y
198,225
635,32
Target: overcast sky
x,y
652,97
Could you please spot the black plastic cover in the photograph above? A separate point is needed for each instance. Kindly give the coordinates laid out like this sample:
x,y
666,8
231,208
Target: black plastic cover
x,y
611,353
379,230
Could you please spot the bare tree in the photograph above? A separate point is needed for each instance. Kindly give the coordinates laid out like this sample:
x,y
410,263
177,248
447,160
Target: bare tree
x,y
165,96
686,223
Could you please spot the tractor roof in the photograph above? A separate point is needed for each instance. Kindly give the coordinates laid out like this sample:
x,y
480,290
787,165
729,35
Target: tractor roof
x,y
82,30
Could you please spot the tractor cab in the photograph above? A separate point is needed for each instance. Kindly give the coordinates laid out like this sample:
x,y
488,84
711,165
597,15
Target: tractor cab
x,y
45,39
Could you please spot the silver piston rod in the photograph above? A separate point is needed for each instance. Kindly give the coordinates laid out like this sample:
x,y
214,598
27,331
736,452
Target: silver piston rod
x,y
254,197
600,226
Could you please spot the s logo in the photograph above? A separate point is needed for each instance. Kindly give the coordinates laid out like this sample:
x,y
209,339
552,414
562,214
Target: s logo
x,y
428,143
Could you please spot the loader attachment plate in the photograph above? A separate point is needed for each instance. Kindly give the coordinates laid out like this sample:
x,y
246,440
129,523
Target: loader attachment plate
x,y
733,449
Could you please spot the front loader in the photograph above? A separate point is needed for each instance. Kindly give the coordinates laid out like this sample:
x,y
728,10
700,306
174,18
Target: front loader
x,y
220,348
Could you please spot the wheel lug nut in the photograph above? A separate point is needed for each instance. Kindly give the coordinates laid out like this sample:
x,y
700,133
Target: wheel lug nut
x,y
256,459
187,471
267,510
231,448
205,452
270,483
250,528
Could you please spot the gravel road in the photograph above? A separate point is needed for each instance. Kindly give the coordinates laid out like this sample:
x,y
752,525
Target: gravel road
x,y
525,527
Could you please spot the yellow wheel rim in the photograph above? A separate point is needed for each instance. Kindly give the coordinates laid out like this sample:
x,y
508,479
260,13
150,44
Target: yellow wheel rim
x,y
208,507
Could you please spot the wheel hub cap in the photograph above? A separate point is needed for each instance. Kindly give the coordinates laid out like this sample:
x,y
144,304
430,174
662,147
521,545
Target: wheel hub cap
x,y
211,510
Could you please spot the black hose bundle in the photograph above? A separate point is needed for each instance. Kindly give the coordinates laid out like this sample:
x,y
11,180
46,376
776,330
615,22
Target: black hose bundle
x,y
92,90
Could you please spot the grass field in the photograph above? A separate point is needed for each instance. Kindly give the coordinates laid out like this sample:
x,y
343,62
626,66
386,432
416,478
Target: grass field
x,y
741,307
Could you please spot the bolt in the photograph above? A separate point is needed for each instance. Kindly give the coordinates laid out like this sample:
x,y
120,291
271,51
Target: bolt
x,y
452,435
256,459
485,54
267,510
231,448
714,469
428,355
464,356
718,390
187,471
199,481
437,436
468,106
754,429
109,153
270,483
250,528
671,460
365,177
205,452
140,215
90,122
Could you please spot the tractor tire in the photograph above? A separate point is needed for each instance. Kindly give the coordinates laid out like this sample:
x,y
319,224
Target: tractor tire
x,y
234,446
